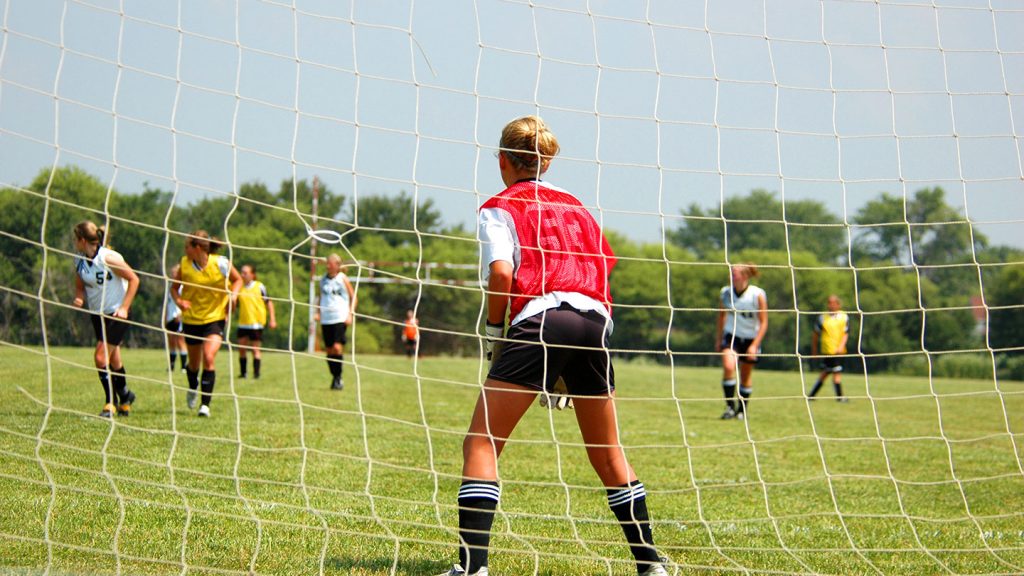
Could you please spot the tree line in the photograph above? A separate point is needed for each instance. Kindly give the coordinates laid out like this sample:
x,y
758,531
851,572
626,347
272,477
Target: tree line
x,y
911,272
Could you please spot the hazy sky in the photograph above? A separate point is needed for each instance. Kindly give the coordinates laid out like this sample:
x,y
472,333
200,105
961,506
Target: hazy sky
x,y
657,104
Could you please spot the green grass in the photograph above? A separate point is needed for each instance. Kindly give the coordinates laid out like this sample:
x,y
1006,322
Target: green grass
x,y
288,477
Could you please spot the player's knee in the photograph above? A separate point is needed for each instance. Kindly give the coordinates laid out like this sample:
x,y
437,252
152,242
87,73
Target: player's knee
x,y
610,465
476,446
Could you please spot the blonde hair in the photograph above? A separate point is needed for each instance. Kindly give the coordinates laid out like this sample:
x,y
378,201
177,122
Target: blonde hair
x,y
749,269
88,230
201,239
529,144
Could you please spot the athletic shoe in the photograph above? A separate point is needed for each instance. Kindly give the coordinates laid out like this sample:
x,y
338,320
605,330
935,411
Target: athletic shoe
x,y
190,398
204,411
242,376
741,415
127,400
337,384
108,411
656,569
458,571
842,399
729,414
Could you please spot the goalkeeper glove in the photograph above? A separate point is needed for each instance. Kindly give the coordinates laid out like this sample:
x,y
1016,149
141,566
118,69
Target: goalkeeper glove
x,y
493,332
558,398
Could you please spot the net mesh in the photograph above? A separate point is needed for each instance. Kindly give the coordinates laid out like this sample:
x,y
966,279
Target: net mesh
x,y
866,149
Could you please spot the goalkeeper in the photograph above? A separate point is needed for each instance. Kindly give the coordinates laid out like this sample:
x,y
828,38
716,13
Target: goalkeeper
x,y
546,260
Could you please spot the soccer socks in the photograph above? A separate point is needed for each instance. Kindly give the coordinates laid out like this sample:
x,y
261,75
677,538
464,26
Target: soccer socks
x,y
207,382
477,501
838,386
120,383
172,354
629,504
256,367
745,393
729,391
105,383
817,386
242,363
334,363
193,378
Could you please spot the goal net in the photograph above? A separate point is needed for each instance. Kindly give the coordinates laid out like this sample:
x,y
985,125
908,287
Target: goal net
x,y
868,151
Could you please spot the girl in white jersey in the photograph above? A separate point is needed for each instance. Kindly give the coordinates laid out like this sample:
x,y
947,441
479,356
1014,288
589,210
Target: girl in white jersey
x,y
172,325
106,285
742,323
336,309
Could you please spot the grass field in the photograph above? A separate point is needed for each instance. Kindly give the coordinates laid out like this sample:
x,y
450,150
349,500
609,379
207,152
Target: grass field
x,y
288,477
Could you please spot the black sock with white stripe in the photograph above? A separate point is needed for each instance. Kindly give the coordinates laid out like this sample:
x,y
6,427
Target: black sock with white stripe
x,y
745,393
477,501
629,504
729,391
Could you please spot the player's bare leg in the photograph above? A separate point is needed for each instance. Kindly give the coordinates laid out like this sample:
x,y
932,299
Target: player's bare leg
x,y
729,360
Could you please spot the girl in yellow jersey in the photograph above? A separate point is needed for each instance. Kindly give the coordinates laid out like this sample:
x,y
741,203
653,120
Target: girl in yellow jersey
x,y
831,332
209,289
254,309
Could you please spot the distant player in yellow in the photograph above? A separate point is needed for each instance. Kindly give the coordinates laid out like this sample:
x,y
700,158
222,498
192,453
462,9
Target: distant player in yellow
x,y
831,331
254,309
209,286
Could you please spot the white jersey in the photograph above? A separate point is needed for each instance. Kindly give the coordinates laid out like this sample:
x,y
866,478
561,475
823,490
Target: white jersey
x,y
104,290
334,301
172,309
742,311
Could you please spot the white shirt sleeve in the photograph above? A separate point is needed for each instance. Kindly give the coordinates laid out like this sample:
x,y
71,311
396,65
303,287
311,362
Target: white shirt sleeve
x,y
225,266
497,239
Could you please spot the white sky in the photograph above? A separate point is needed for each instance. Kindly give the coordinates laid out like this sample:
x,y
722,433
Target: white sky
x,y
657,104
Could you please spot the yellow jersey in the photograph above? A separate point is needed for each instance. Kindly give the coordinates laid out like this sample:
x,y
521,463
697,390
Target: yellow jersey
x,y
252,306
831,328
206,289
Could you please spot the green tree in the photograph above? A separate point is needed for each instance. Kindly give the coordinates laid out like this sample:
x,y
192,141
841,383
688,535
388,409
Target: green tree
x,y
923,230
760,221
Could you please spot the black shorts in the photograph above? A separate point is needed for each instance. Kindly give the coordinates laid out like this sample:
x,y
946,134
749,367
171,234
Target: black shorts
x,y
108,329
832,364
173,327
254,334
575,348
334,333
196,334
740,345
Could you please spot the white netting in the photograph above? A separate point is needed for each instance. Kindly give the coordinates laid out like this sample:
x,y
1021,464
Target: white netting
x,y
869,149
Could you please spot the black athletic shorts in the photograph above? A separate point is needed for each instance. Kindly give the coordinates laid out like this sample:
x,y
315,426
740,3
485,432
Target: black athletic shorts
x,y
740,345
575,348
113,328
174,326
254,334
334,333
197,333
832,364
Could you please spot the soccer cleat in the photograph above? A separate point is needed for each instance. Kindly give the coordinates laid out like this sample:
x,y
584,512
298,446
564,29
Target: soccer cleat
x,y
741,415
458,571
729,414
190,398
204,411
656,569
108,411
842,399
125,408
337,383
